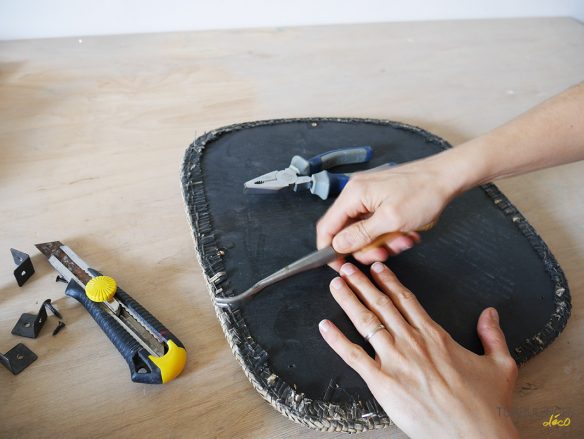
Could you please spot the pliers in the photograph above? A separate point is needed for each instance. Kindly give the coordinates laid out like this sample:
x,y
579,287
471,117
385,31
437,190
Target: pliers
x,y
311,174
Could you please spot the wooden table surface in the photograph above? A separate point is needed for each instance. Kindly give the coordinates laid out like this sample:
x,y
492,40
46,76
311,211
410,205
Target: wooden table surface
x,y
92,133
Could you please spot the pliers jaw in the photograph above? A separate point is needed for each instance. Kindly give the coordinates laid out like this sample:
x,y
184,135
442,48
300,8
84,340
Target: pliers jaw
x,y
271,182
303,183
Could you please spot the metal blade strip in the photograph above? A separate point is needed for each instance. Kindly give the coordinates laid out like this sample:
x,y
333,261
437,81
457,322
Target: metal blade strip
x,y
62,270
138,320
76,259
130,331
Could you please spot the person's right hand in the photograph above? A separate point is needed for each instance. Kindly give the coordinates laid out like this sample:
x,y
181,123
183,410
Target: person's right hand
x,y
405,198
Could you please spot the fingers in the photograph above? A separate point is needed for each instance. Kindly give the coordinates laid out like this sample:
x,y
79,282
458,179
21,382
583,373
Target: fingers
x,y
401,243
491,334
365,320
348,205
403,299
357,235
352,354
368,257
373,299
494,343
337,264
393,246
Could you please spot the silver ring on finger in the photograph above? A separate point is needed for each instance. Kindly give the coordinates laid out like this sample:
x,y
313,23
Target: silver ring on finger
x,y
374,331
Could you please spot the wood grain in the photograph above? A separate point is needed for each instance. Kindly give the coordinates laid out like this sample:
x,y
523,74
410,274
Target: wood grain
x,y
92,133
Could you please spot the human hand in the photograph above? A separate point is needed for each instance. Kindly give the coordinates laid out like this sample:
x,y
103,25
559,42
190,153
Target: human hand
x,y
404,198
428,384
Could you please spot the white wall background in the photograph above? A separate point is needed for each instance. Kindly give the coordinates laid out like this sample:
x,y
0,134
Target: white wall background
x,y
57,18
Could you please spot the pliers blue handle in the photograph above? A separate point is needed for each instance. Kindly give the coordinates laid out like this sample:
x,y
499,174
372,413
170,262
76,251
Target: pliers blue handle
x,y
327,184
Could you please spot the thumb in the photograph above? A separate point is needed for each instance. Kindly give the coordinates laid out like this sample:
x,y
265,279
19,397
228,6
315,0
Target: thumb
x,y
359,234
491,334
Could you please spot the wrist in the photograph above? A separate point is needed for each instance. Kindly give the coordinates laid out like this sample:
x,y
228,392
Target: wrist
x,y
451,173
461,168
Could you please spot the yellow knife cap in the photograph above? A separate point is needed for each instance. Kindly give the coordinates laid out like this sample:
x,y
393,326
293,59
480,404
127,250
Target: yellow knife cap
x,y
101,288
172,363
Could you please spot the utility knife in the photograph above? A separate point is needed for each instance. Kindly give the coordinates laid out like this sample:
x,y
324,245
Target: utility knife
x,y
153,353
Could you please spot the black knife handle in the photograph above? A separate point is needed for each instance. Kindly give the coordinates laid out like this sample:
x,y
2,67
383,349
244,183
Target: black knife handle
x,y
142,368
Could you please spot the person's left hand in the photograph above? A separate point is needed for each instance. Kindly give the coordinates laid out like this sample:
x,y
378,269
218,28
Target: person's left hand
x,y
428,384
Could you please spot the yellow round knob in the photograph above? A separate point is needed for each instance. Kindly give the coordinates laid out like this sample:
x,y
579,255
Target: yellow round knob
x,y
101,288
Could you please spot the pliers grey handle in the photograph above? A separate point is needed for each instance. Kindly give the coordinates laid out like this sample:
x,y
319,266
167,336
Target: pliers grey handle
x,y
331,159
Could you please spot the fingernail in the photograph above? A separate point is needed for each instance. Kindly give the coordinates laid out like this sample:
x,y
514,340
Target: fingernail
x,y
494,315
348,269
342,241
324,326
404,246
336,283
415,236
378,267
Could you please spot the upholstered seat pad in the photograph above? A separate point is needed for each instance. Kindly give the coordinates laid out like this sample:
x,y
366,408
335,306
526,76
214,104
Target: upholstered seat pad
x,y
481,253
